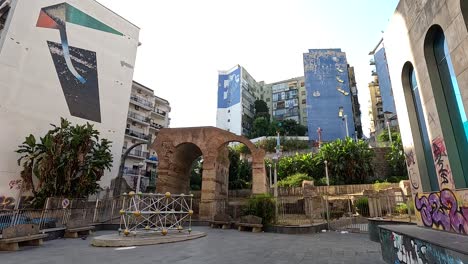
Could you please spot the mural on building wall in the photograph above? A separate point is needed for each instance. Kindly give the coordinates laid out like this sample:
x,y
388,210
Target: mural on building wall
x,y
229,89
397,248
440,156
441,210
76,68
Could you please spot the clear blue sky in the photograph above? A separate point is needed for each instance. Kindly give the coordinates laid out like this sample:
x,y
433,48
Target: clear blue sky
x,y
186,42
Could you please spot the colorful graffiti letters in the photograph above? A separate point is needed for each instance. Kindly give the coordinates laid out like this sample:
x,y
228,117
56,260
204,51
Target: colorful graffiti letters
x,y
441,210
439,152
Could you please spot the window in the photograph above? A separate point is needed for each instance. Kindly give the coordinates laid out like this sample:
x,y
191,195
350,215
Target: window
x,y
229,120
422,144
303,93
137,107
268,100
303,101
449,103
302,84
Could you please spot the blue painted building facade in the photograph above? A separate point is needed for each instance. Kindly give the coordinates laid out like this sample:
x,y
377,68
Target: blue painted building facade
x,y
328,94
385,84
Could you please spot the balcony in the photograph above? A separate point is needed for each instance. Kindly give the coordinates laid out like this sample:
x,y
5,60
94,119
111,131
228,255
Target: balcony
x,y
159,112
156,126
372,62
138,118
138,154
142,102
374,73
136,135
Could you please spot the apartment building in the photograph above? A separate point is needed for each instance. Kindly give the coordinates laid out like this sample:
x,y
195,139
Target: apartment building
x,y
147,114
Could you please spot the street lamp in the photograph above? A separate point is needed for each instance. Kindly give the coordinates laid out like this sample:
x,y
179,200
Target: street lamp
x,y
345,118
140,165
328,184
275,160
271,183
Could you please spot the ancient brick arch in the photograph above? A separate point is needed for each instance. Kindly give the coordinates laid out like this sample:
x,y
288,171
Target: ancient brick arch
x,y
177,148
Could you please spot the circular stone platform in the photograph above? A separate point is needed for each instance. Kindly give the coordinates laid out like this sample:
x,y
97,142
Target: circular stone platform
x,y
114,240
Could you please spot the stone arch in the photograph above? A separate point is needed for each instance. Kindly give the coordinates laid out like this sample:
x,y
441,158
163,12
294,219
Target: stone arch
x,y
179,147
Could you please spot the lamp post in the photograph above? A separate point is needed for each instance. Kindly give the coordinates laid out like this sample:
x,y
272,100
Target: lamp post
x,y
275,160
271,182
140,165
389,132
346,124
328,184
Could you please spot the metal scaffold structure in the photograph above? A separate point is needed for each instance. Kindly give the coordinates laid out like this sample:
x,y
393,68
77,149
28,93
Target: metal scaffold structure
x,y
145,213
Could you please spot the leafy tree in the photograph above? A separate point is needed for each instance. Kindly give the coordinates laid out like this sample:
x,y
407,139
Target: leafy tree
x,y
261,127
240,171
291,144
196,174
261,109
287,127
383,136
68,162
349,162
396,157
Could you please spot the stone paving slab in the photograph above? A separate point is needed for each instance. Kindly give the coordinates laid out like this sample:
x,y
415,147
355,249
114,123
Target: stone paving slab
x,y
218,247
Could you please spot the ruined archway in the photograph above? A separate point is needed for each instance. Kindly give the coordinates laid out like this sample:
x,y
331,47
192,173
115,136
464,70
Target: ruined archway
x,y
179,147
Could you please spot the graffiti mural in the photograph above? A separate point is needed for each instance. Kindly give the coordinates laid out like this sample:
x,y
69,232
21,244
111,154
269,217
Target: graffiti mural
x,y
410,164
7,202
398,248
440,155
76,68
15,184
440,210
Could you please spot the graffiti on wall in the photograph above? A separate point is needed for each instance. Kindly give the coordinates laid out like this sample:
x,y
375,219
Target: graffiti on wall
x,y
440,155
441,210
15,184
6,202
410,164
399,249
76,68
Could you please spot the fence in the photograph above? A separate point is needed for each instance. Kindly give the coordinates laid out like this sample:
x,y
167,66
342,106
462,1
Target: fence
x,y
344,212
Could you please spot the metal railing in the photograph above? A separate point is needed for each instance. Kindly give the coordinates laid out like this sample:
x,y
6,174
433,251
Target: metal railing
x,y
141,101
138,153
138,117
136,134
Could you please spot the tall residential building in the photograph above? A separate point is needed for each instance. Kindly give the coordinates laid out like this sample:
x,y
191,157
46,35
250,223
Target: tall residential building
x,y
147,114
355,102
385,102
288,99
329,96
376,113
238,90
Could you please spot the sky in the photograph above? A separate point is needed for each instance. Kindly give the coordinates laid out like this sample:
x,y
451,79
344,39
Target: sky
x,y
185,43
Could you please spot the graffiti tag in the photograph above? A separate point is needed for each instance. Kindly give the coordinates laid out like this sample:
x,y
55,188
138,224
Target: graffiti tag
x,y
441,210
439,151
16,184
6,202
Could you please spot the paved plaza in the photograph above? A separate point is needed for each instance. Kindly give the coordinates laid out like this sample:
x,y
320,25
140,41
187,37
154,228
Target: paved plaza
x,y
219,246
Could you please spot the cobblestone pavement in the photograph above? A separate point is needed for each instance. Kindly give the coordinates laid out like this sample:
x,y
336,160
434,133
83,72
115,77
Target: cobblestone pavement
x,y
219,246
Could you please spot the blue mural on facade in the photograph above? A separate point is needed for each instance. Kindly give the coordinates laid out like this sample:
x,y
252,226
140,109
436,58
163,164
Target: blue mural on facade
x,y
328,94
385,84
229,89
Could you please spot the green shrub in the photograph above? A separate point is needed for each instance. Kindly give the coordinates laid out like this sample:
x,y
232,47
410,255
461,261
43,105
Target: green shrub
x,y
261,205
397,179
381,185
362,206
294,180
401,208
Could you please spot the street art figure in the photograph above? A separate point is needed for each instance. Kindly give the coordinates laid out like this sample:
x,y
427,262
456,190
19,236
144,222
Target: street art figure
x,y
76,68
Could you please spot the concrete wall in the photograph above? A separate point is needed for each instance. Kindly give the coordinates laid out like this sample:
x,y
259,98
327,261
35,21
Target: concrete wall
x,y
405,43
37,84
